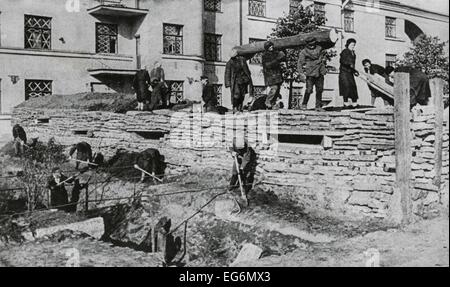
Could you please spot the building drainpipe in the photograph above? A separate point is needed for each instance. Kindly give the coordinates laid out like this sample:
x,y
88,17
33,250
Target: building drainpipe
x,y
241,36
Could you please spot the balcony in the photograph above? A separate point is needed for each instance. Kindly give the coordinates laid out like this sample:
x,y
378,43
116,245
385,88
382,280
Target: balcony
x,y
116,8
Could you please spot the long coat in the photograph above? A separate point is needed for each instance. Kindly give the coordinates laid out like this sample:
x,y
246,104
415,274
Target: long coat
x,y
58,193
271,62
419,89
209,96
141,83
237,73
314,61
347,84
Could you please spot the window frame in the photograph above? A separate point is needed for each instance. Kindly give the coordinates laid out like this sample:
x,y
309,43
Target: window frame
x,y
347,12
218,90
217,7
257,58
181,27
253,3
322,10
294,7
390,27
390,56
27,92
97,24
218,46
173,94
41,29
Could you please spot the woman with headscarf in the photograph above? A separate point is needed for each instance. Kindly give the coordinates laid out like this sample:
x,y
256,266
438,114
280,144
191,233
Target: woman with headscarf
x,y
347,73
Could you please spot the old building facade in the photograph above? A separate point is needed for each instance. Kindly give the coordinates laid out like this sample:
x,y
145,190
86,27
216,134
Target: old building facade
x,y
73,46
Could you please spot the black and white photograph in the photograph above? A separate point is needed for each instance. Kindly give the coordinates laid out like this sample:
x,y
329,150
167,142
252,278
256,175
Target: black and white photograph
x,y
231,134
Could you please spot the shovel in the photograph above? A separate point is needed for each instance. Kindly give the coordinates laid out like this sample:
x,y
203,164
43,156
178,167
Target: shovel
x,y
140,169
243,195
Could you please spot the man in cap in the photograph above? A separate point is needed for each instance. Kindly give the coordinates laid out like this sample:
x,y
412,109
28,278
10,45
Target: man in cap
x,y
238,78
246,159
312,69
273,76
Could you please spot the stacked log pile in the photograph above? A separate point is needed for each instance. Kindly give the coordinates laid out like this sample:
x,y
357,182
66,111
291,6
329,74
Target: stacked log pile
x,y
352,174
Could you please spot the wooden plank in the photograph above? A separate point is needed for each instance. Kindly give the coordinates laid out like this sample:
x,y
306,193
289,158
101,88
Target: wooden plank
x,y
437,94
402,144
325,38
378,83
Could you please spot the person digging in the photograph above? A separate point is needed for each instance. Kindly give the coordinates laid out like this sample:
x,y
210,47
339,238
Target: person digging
x,y
244,168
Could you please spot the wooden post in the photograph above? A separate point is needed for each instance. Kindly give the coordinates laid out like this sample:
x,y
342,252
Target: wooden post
x,y
437,93
402,116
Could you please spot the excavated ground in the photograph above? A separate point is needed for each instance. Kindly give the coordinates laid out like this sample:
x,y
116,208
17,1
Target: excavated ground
x,y
287,235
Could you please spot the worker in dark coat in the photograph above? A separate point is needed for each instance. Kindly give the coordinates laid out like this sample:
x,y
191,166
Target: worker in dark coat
x,y
209,96
20,139
58,193
84,153
273,76
141,83
158,76
246,157
312,69
238,78
152,162
347,73
375,69
419,85
157,95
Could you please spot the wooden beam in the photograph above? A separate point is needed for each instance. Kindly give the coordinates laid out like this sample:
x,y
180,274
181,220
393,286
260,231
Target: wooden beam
x,y
437,94
379,84
402,115
325,38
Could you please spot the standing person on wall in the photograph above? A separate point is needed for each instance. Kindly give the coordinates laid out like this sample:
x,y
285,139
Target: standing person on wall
x,y
273,76
141,84
238,78
347,73
312,69
158,76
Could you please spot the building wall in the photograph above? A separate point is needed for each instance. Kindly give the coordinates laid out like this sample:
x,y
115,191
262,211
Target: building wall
x,y
67,63
70,61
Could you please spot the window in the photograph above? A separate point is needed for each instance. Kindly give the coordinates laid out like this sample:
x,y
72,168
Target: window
x,y
257,8
391,27
218,92
213,47
296,99
319,9
349,21
259,91
294,5
390,60
106,38
173,39
213,5
38,32
257,58
37,88
176,91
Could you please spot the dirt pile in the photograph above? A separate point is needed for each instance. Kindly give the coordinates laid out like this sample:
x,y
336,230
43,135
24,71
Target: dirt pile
x,y
107,102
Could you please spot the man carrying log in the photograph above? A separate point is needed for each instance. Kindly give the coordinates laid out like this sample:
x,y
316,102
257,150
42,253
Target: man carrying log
x,y
244,167
238,78
273,76
312,69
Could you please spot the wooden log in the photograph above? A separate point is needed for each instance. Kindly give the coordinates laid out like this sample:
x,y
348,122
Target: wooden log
x,y
437,93
402,116
325,38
